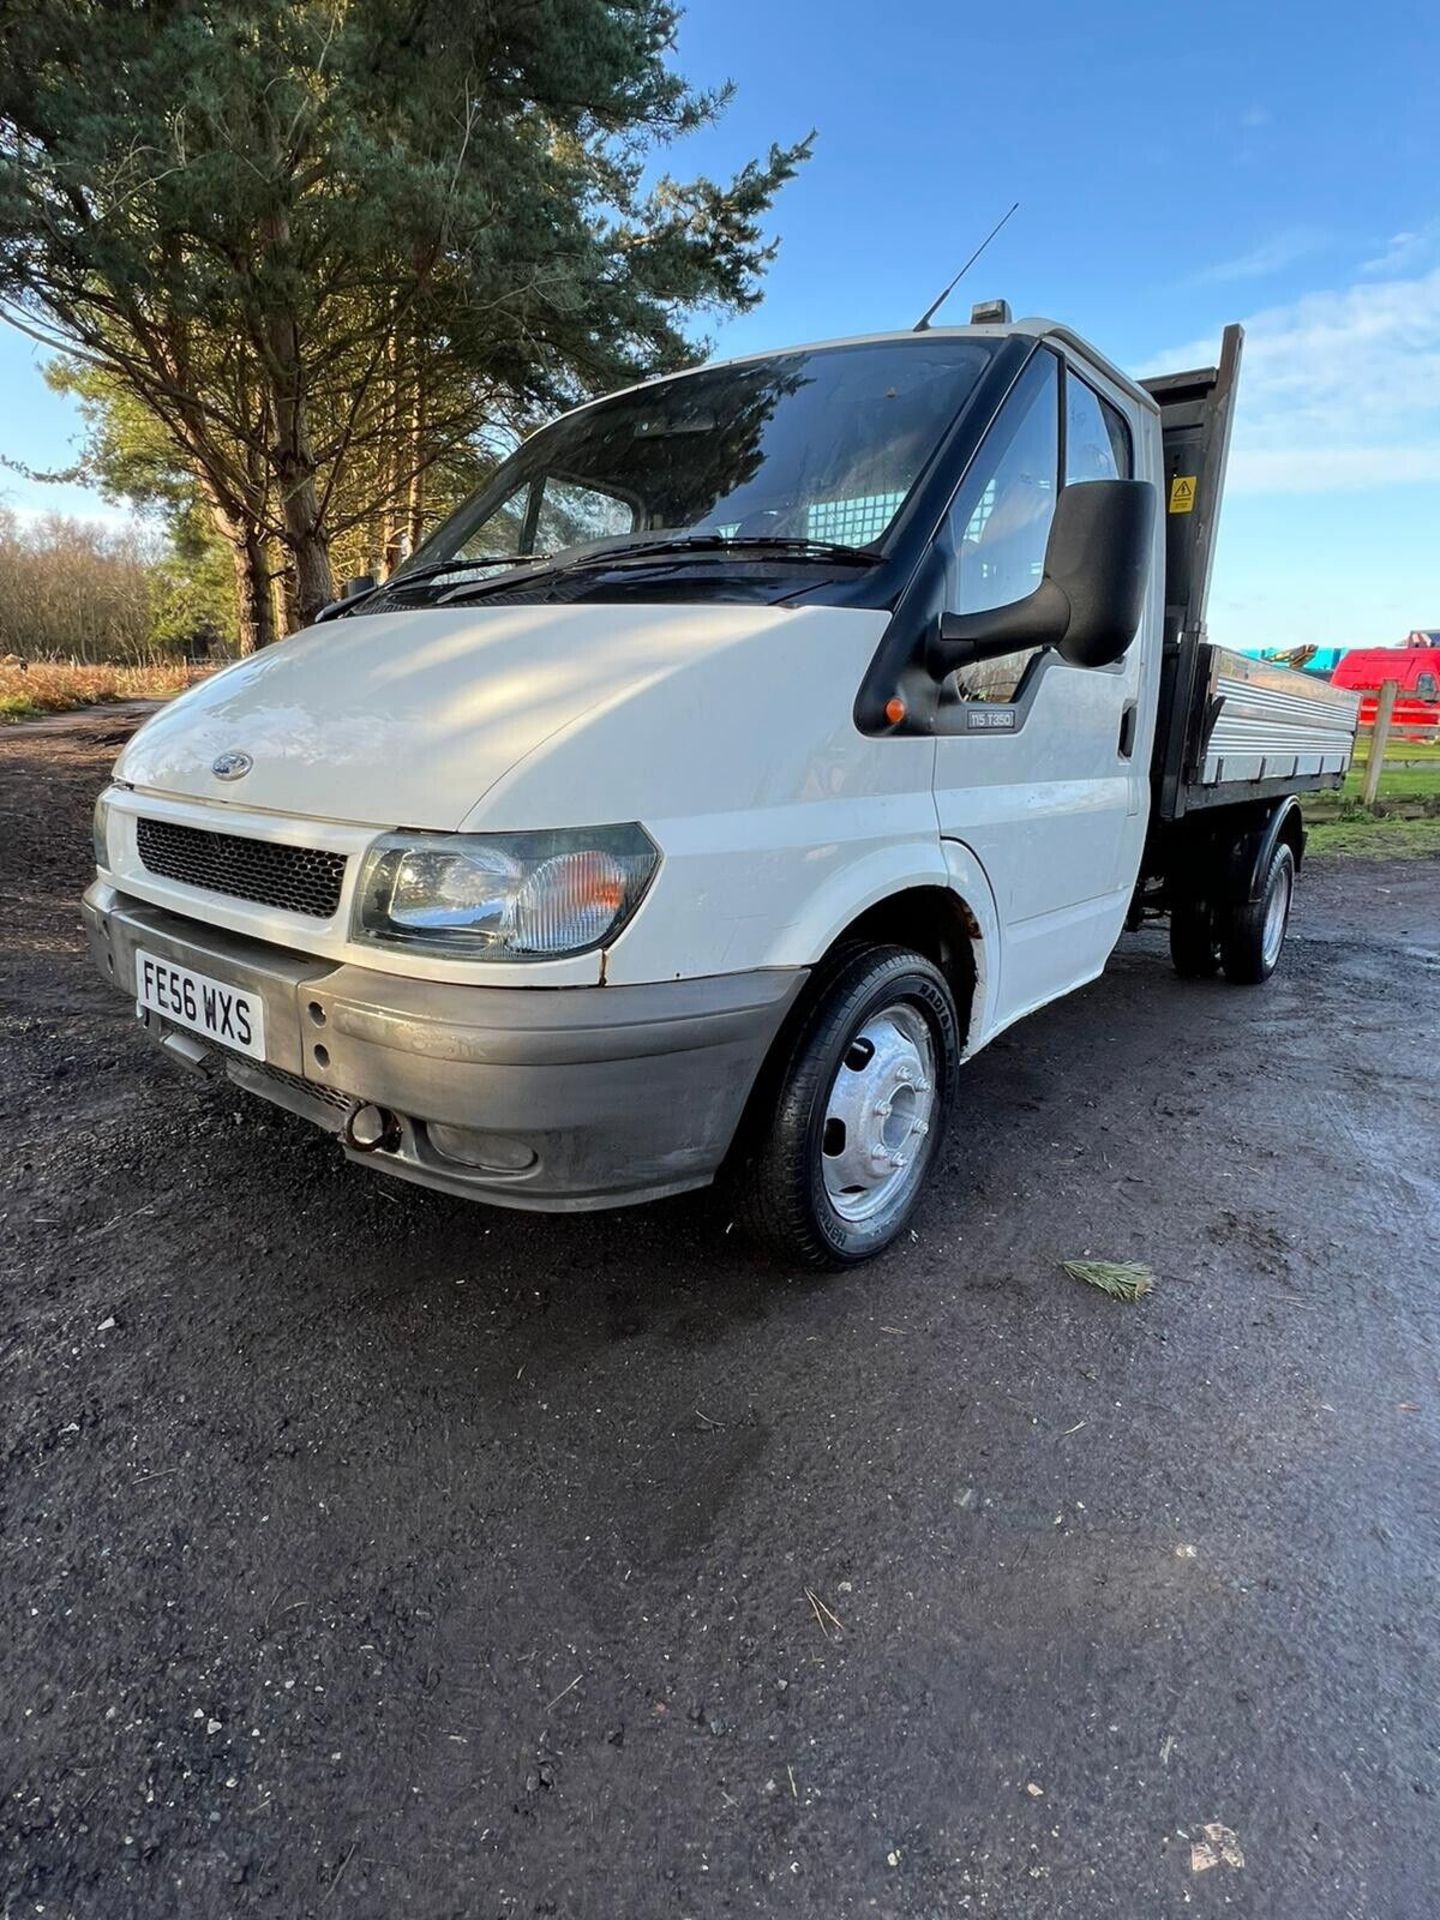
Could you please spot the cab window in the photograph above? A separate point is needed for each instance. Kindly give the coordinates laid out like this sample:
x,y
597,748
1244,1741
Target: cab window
x,y
1097,440
504,530
1000,521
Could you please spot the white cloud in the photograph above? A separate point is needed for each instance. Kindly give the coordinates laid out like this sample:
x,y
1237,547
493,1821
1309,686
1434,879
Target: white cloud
x,y
1281,250
1338,390
1268,256
1256,116
1406,251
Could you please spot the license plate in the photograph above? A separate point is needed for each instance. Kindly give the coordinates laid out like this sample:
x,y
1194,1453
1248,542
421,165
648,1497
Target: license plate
x,y
228,1015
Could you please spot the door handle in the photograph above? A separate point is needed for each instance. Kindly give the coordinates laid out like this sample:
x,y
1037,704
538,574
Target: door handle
x,y
1127,729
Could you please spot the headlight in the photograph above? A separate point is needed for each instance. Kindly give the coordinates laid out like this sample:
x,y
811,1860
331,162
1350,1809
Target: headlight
x,y
499,896
100,831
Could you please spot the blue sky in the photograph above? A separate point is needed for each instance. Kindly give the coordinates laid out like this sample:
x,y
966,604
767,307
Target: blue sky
x,y
1177,167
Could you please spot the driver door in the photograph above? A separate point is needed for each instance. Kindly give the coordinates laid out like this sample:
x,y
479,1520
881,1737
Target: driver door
x,y
1038,768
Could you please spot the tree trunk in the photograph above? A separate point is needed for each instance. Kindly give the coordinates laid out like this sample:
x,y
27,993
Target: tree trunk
x,y
307,545
254,595
259,549
415,504
314,584
290,600
294,460
389,471
396,546
262,571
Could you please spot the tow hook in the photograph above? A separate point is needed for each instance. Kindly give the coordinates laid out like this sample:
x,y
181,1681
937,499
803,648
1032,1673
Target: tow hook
x,y
371,1129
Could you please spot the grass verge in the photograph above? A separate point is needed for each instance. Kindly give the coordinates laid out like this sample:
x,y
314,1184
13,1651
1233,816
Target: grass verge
x,y
1406,817
1376,836
59,686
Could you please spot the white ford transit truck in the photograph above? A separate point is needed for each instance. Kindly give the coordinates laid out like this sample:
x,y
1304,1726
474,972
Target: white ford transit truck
x,y
756,746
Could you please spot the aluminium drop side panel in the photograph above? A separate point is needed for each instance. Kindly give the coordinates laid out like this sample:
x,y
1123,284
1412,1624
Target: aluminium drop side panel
x,y
1267,723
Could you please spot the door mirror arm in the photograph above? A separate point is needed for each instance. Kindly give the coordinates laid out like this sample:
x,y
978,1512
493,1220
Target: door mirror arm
x,y
960,639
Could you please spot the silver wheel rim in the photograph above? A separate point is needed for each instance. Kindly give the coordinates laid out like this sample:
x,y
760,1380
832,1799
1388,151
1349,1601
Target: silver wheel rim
x,y
878,1113
1277,913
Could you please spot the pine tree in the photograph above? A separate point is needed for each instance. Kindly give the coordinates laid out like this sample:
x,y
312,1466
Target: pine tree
x,y
322,244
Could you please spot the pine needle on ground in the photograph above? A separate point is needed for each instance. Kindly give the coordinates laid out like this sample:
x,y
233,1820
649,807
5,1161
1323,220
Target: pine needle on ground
x,y
829,1623
1121,1279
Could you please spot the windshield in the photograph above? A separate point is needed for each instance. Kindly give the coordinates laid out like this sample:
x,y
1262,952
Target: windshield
x,y
815,446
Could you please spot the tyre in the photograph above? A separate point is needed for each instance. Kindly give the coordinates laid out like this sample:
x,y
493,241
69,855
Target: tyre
x,y
1194,948
855,1111
1251,941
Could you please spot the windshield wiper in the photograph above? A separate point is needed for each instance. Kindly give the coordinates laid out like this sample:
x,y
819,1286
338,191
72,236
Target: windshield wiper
x,y
438,568
419,575
779,544
667,546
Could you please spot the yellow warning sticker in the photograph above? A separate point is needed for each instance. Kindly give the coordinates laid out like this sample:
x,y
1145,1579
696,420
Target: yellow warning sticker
x,y
1182,493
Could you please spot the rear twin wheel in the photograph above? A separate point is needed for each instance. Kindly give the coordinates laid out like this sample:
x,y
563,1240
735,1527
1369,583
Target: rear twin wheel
x,y
1194,945
858,1108
1245,938
1251,942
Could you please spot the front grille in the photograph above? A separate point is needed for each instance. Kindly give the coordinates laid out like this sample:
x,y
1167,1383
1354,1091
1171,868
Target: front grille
x,y
298,879
330,1096
325,1106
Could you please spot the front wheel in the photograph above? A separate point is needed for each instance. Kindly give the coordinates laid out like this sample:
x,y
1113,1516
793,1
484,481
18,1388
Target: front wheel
x,y
859,1110
1251,942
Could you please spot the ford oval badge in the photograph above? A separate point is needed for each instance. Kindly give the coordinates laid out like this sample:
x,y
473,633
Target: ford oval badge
x,y
231,766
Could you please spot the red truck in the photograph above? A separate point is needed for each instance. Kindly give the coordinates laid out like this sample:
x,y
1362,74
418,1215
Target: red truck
x,y
1415,668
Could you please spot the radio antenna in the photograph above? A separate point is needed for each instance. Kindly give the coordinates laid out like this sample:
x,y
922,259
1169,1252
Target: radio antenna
x,y
922,324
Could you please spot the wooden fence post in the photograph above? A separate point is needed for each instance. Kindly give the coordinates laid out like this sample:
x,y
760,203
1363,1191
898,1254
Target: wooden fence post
x,y
1379,739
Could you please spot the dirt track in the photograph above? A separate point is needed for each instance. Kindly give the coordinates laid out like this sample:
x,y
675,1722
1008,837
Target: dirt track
x,y
368,1555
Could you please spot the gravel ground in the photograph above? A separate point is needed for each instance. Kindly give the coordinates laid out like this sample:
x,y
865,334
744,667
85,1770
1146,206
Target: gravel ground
x,y
365,1554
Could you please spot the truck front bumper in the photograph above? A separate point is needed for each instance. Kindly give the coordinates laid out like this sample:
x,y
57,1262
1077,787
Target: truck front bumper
x,y
557,1099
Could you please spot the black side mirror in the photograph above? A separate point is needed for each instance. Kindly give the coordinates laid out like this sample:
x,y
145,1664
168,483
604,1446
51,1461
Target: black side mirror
x,y
1088,602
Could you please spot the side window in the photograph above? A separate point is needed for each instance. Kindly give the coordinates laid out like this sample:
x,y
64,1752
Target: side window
x,y
500,532
1001,520
1097,440
1428,687
571,512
